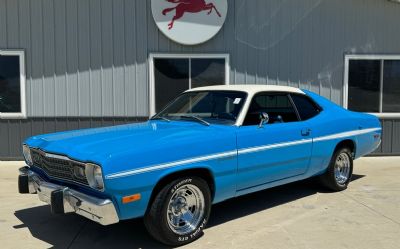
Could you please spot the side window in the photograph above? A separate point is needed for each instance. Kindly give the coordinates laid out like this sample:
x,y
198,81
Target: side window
x,y
277,106
307,108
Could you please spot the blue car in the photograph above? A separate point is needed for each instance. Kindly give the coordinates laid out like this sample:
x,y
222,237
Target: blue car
x,y
206,146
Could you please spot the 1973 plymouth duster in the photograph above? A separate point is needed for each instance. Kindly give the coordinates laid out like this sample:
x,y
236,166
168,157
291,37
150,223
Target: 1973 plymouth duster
x,y
208,145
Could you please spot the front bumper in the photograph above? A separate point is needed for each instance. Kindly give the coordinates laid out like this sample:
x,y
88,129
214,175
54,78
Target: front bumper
x,y
65,200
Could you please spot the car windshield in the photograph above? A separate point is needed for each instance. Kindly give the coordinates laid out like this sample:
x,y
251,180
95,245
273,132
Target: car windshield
x,y
206,107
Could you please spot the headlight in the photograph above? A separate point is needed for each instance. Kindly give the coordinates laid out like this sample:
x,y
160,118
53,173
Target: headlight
x,y
94,176
79,172
27,154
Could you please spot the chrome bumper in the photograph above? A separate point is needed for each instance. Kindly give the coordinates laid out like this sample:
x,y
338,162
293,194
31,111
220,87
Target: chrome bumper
x,y
65,200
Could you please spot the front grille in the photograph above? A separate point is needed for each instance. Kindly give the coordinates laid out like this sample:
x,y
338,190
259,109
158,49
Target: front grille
x,y
58,167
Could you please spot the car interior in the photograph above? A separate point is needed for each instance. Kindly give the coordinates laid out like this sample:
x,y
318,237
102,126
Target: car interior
x,y
277,106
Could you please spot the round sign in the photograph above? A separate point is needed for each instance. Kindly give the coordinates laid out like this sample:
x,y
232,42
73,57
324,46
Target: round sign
x,y
189,22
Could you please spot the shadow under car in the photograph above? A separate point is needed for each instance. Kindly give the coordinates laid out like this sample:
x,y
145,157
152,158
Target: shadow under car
x,y
71,230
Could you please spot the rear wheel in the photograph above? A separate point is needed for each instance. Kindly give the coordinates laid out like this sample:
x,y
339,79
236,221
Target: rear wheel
x,y
340,170
180,211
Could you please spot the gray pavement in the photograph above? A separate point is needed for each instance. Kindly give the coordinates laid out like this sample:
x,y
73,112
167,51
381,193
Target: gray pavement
x,y
298,215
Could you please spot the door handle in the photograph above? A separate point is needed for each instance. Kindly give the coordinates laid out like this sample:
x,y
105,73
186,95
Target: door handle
x,y
306,132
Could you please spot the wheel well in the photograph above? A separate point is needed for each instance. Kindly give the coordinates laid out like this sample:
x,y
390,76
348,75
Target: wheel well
x,y
203,173
348,143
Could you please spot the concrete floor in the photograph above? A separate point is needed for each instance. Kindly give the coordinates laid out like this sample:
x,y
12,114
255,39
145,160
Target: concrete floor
x,y
299,215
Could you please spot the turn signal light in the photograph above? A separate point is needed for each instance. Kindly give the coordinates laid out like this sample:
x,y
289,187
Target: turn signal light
x,y
131,198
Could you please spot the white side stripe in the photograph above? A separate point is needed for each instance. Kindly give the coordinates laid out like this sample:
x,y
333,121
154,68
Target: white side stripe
x,y
172,164
234,152
273,146
346,134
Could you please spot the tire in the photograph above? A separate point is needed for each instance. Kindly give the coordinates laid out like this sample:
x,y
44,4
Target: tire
x,y
337,178
185,198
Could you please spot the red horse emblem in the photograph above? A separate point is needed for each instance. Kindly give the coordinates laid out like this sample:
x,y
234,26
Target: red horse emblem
x,y
191,6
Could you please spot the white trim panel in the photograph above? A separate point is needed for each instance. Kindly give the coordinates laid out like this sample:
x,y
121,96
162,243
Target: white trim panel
x,y
372,56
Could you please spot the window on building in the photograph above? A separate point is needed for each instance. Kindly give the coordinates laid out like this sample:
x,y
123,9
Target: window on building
x,y
174,74
171,77
206,72
305,106
12,84
373,84
278,107
391,86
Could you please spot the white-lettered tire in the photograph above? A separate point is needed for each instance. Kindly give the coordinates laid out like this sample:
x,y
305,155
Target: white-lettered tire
x,y
179,212
340,169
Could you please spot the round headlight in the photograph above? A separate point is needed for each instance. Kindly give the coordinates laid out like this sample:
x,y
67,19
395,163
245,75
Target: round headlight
x,y
27,154
79,172
94,176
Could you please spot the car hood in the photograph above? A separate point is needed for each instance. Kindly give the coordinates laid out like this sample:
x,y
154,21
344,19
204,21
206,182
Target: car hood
x,y
142,144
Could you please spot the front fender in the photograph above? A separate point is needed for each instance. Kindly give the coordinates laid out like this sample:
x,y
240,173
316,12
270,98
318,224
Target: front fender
x,y
223,169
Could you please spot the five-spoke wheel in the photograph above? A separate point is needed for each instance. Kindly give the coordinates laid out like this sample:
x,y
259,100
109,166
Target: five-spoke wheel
x,y
340,169
180,211
185,209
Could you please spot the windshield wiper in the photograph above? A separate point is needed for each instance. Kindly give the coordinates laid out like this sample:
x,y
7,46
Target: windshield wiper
x,y
159,117
194,117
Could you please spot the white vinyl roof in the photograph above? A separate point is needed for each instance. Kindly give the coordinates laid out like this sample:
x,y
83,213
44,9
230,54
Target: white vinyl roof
x,y
250,89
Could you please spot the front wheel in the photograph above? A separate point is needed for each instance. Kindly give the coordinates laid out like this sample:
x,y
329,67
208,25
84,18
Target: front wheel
x,y
340,170
179,212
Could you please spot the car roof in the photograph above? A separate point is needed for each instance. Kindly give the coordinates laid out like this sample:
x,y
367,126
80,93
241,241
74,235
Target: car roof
x,y
250,89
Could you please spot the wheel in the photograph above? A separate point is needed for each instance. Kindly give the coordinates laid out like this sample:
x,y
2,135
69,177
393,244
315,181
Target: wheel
x,y
340,170
179,212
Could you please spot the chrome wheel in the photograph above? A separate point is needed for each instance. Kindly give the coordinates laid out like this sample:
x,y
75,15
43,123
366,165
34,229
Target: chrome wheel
x,y
185,209
342,168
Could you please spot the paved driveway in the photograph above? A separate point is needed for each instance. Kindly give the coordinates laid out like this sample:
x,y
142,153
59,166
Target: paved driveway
x,y
299,215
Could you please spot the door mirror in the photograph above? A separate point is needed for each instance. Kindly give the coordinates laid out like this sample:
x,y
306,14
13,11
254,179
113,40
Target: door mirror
x,y
264,118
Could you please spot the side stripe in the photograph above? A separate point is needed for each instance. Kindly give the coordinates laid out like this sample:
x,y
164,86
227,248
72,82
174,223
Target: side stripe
x,y
171,164
346,134
234,152
273,146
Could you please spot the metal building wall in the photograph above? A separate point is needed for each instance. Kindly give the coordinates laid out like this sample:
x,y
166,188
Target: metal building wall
x,y
88,58
13,132
390,138
83,58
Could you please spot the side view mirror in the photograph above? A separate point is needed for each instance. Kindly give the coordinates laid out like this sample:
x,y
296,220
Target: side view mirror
x,y
264,118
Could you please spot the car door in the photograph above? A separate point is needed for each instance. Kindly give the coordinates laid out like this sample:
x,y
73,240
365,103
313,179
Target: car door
x,y
277,150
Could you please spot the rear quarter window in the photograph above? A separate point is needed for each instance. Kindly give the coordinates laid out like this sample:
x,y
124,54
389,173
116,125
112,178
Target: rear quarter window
x,y
306,107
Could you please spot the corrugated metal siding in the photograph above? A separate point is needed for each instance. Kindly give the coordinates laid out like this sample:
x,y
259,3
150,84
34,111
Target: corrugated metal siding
x,y
83,57
89,57
14,132
390,138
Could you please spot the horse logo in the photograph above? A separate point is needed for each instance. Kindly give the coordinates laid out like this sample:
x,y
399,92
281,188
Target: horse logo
x,y
191,6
